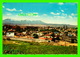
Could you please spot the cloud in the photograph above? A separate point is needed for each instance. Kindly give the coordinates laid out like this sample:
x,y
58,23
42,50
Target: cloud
x,y
3,6
64,20
70,16
11,9
58,17
60,3
9,14
44,14
62,10
36,13
64,14
14,9
54,13
57,13
20,10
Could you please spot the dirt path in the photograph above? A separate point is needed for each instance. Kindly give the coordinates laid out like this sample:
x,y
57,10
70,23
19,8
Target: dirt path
x,y
60,43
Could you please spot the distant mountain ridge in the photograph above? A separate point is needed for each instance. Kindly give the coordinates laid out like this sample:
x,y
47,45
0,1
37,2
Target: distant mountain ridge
x,y
33,22
9,21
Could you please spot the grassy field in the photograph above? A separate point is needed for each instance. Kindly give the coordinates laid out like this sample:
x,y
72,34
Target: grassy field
x,y
19,47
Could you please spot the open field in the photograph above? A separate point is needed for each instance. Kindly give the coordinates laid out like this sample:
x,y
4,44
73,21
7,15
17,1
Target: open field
x,y
20,47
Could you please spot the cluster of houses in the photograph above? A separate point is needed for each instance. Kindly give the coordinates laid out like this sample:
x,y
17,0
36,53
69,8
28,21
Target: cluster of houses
x,y
45,33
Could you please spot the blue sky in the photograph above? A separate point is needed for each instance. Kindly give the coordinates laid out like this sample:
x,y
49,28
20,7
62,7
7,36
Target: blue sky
x,y
56,13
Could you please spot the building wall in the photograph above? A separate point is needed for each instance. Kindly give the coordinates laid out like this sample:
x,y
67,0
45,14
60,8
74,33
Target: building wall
x,y
10,34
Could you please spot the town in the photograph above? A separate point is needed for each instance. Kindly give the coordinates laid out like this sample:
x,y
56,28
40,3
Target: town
x,y
48,33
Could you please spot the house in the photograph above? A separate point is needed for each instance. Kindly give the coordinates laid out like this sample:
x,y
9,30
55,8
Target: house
x,y
10,34
39,33
46,37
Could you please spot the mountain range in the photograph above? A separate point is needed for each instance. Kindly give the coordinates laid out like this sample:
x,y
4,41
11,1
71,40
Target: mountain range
x,y
33,22
9,21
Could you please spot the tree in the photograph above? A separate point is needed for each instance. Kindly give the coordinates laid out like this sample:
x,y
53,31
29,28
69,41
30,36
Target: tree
x,y
35,36
18,29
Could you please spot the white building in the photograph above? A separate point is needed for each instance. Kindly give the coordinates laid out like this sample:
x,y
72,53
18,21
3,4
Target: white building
x,y
10,34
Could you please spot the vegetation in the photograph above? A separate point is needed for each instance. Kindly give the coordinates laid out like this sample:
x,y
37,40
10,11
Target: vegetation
x,y
52,30
19,47
35,36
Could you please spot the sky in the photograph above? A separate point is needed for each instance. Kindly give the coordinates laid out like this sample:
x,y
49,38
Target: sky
x,y
53,13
